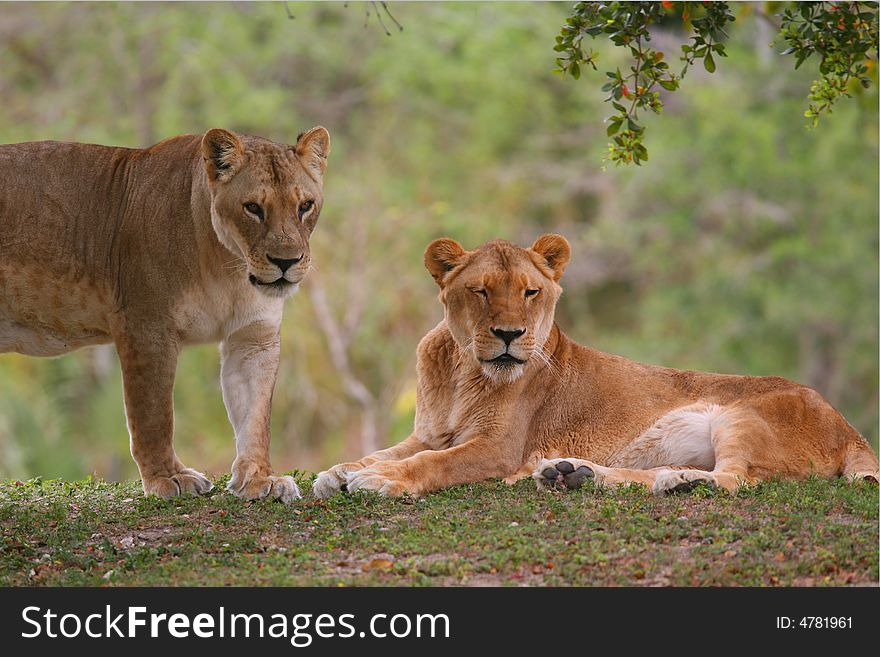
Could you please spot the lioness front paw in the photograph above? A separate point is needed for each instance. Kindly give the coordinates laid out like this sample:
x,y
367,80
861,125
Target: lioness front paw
x,y
383,478
867,477
562,473
329,482
184,482
253,482
680,481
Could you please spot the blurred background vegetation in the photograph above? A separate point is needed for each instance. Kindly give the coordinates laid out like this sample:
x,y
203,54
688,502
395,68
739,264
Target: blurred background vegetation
x,y
747,244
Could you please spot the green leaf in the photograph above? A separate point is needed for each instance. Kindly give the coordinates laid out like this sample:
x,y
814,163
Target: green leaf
x,y
613,127
709,62
575,70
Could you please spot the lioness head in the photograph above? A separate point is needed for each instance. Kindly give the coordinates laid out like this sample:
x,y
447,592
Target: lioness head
x,y
500,299
265,202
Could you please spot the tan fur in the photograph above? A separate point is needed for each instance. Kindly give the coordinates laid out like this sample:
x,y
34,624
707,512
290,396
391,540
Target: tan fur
x,y
625,421
153,249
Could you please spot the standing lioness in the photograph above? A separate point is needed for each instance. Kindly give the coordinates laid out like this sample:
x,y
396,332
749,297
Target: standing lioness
x,y
502,392
196,239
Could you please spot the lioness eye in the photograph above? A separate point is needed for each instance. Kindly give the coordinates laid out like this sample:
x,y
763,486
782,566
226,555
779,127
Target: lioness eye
x,y
531,293
482,293
255,210
304,207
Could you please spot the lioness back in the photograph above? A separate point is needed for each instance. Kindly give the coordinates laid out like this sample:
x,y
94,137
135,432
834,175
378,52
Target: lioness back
x,y
81,225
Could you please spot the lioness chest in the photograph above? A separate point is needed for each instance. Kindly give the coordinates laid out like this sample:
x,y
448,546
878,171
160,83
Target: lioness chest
x,y
457,403
212,310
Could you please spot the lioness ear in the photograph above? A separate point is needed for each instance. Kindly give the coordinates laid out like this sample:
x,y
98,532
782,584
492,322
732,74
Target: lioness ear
x,y
313,147
555,251
442,256
223,153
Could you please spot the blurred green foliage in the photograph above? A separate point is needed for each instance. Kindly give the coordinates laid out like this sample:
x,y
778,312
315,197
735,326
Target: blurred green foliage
x,y
747,244
842,35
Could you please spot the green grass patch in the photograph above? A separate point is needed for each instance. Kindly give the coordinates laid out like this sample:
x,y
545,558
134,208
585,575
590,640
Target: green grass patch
x,y
781,533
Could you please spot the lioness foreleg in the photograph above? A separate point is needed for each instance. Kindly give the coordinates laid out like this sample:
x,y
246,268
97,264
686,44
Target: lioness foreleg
x,y
329,482
148,365
478,459
248,370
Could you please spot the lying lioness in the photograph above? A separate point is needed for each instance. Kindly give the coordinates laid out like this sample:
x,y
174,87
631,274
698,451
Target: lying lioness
x,y
196,239
502,392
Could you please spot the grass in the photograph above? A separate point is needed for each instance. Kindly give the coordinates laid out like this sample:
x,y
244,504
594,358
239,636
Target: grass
x,y
781,533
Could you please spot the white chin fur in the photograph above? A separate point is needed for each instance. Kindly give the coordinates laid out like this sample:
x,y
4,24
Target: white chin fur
x,y
505,375
279,292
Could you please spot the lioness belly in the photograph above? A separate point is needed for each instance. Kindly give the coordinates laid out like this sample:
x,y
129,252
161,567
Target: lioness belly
x,y
23,340
44,316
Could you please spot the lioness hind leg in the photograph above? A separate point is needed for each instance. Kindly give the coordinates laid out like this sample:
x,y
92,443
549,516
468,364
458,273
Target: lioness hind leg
x,y
571,473
148,368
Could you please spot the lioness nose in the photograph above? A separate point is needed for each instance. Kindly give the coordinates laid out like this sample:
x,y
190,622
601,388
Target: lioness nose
x,y
284,265
508,336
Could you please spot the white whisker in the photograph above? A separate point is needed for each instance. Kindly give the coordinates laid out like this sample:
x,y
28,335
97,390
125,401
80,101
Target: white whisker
x,y
462,351
550,361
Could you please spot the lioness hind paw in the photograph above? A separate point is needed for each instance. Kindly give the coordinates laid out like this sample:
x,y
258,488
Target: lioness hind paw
x,y
673,482
562,474
185,482
688,486
866,477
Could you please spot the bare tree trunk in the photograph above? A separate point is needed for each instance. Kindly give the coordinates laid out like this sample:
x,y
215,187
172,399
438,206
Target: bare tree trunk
x,y
338,342
819,361
145,89
764,34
